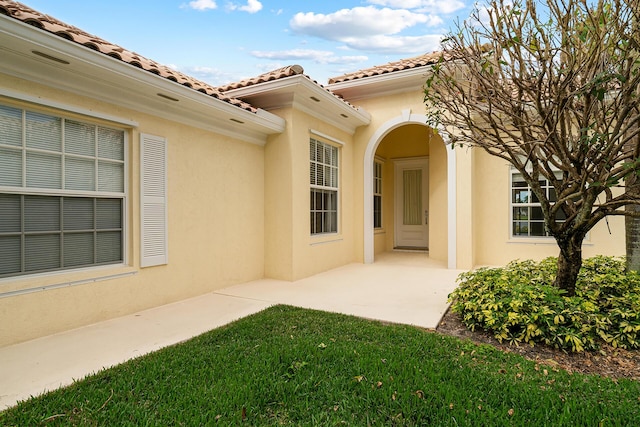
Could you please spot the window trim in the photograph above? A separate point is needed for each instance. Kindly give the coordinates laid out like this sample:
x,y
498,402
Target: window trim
x,y
512,205
94,120
378,162
336,189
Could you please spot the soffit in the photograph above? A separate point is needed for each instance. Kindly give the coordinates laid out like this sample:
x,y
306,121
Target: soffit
x,y
289,87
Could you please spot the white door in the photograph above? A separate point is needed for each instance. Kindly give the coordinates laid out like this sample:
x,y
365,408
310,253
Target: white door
x,y
412,203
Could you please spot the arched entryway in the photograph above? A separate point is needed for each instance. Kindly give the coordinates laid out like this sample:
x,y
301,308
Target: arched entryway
x,y
407,119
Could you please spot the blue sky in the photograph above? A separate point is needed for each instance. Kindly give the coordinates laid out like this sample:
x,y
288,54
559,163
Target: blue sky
x,y
221,41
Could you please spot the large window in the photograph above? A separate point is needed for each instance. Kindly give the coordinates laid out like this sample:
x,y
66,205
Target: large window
x,y
527,218
324,165
62,190
377,194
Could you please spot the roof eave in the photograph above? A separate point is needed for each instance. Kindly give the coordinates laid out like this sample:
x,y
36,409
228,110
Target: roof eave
x,y
92,74
303,94
382,84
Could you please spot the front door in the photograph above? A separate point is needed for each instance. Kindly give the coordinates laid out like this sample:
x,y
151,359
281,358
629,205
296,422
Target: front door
x,y
412,203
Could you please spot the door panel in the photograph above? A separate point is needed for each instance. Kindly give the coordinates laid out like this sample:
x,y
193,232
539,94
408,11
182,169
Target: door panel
x,y
412,203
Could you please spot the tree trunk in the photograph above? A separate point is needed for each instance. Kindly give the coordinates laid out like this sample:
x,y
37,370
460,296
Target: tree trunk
x,y
569,263
632,226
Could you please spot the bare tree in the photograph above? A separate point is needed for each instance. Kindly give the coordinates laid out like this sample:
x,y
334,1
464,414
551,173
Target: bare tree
x,y
551,87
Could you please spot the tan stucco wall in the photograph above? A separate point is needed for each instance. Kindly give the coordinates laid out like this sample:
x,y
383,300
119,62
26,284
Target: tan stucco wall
x,y
215,230
493,244
291,252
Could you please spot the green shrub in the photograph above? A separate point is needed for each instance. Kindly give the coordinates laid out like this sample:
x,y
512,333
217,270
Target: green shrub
x,y
518,304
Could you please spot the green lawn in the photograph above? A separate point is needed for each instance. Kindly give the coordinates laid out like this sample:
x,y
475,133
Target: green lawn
x,y
290,366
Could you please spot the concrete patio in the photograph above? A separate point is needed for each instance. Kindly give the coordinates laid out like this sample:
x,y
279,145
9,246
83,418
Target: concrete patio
x,y
400,287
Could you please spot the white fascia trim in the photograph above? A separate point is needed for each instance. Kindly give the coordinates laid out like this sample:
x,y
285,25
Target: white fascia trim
x,y
383,84
65,107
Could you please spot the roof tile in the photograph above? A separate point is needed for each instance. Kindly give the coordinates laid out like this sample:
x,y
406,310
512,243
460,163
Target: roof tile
x,y
280,73
403,64
30,16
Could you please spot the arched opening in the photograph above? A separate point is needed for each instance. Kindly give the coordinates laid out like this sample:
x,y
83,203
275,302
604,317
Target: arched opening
x,y
396,157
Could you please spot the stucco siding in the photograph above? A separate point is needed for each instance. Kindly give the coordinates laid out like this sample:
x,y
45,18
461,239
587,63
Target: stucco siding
x,y
215,228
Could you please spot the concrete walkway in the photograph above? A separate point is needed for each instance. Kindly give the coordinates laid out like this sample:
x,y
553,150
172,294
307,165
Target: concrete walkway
x,y
399,287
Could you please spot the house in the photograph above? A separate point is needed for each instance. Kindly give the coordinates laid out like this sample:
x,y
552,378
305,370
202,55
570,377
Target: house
x,y
125,184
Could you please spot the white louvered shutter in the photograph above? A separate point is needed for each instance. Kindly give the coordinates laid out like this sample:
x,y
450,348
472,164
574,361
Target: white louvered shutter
x,y
153,197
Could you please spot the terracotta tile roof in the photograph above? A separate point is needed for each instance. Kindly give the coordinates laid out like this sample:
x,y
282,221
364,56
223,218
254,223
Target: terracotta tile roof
x,y
47,23
391,67
280,73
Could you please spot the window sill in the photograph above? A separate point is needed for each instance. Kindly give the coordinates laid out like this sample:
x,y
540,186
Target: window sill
x,y
379,231
539,241
325,238
27,284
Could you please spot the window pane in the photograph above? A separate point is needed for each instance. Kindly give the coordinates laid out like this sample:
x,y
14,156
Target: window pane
x,y
80,174
44,170
10,167
313,173
41,213
78,249
334,177
552,195
110,143
10,254
520,228
43,131
534,198
78,213
111,177
377,211
537,229
42,252
10,213
79,138
10,126
108,214
520,196
520,213
312,149
536,213
109,246
319,152
518,182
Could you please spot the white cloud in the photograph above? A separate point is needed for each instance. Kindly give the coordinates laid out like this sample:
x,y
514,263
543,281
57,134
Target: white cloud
x,y
439,6
203,4
358,22
397,44
317,56
252,6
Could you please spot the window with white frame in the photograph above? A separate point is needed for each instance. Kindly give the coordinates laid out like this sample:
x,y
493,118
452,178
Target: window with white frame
x,y
324,166
527,219
62,193
377,194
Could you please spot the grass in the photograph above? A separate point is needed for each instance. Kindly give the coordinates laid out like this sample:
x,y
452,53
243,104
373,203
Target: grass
x,y
290,366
